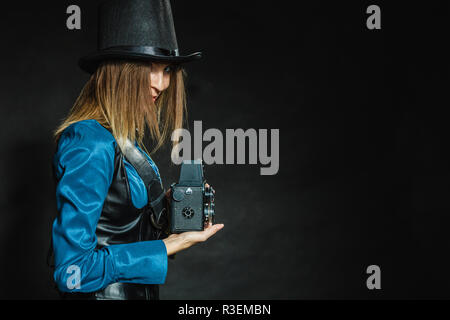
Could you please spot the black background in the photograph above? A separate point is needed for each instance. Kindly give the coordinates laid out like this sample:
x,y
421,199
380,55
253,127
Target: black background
x,y
364,160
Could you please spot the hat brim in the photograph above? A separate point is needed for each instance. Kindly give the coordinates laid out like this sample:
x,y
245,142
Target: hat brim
x,y
90,62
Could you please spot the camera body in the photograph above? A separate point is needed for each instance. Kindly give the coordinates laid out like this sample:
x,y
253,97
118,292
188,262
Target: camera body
x,y
192,202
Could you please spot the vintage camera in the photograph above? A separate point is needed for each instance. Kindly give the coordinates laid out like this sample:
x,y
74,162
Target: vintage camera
x,y
192,203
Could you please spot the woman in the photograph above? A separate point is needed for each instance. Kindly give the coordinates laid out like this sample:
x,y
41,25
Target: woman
x,y
105,246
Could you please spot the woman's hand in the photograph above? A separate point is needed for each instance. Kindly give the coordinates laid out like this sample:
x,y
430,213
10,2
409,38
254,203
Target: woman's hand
x,y
181,241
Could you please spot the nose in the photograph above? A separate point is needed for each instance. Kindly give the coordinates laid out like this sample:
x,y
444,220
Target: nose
x,y
157,81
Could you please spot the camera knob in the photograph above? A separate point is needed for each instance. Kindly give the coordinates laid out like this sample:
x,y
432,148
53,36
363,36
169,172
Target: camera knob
x,y
178,195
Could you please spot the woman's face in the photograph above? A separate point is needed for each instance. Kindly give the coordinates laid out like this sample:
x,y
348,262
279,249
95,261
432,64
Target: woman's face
x,y
159,78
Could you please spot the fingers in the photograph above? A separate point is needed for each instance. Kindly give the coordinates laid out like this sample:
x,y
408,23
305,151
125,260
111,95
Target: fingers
x,y
169,194
207,186
212,229
192,237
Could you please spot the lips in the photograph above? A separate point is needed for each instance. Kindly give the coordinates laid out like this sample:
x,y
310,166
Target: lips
x,y
155,94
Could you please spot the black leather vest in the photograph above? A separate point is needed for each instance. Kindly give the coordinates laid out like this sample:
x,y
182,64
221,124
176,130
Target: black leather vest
x,y
121,222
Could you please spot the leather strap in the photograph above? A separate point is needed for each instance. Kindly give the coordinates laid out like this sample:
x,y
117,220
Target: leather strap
x,y
155,189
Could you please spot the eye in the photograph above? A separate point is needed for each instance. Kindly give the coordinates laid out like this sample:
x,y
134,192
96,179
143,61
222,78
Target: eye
x,y
168,69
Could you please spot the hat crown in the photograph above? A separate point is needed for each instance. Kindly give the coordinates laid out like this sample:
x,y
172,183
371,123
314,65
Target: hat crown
x,y
136,23
135,30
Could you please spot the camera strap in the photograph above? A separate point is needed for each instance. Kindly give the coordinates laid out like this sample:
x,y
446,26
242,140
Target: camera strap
x,y
155,189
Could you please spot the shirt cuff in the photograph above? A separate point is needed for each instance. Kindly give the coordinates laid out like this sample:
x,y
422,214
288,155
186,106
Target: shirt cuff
x,y
140,262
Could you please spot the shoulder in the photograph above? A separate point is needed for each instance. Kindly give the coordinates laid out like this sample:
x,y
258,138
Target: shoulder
x,y
85,138
88,131
88,134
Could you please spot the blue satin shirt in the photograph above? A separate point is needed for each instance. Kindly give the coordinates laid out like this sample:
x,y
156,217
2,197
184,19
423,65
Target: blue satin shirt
x,y
84,167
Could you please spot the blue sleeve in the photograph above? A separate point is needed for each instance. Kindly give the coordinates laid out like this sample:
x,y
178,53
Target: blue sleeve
x,y
84,165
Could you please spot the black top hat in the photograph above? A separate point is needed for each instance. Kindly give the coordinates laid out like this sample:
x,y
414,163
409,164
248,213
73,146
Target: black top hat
x,y
135,30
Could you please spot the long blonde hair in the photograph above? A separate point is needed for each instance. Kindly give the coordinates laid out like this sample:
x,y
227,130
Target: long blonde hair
x,y
118,95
